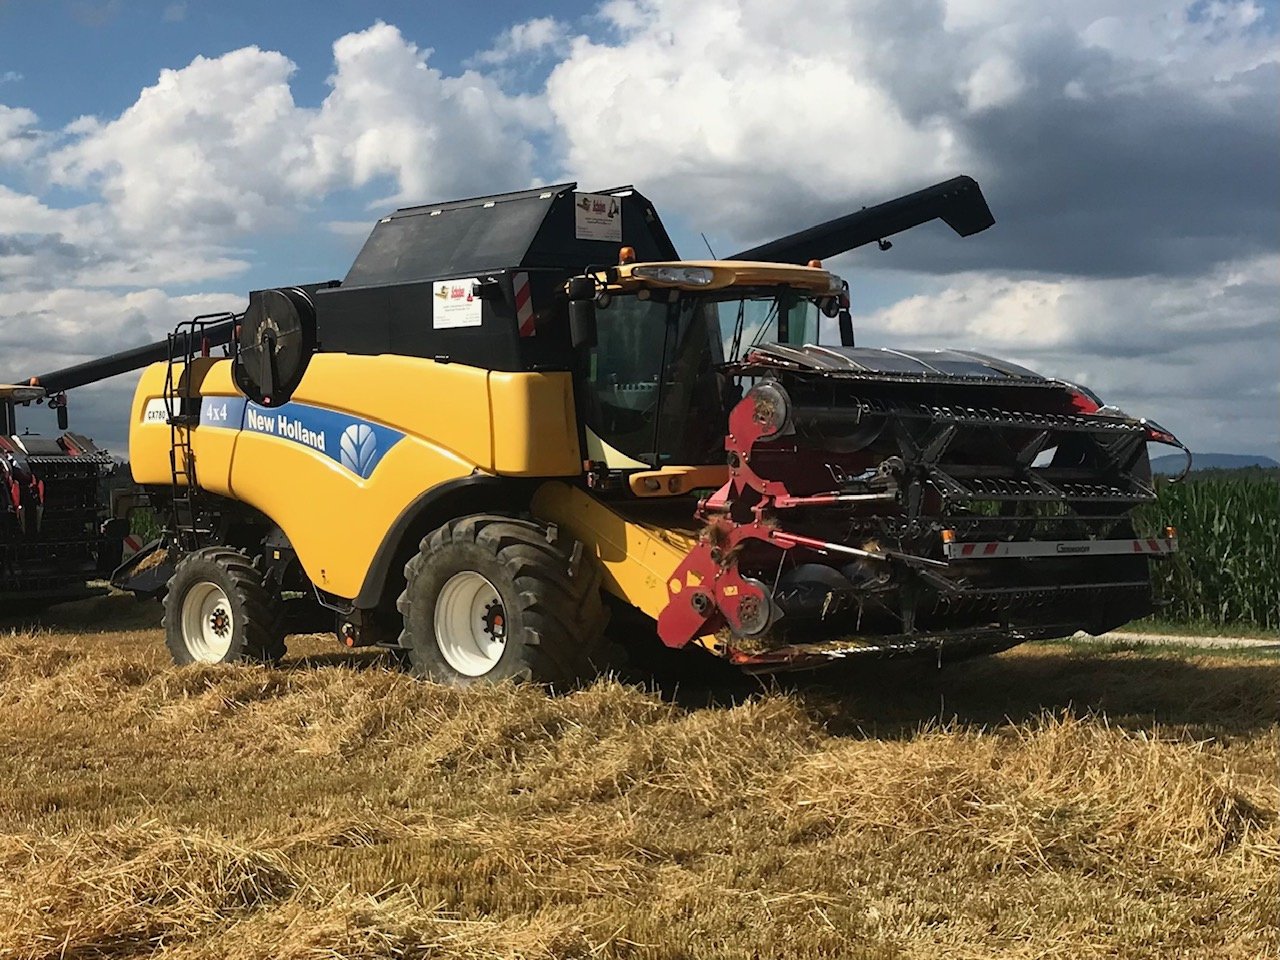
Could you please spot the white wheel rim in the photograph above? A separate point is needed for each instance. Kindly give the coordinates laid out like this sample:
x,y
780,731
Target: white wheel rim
x,y
470,624
207,622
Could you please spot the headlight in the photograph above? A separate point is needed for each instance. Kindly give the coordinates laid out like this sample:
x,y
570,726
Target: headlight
x,y
691,276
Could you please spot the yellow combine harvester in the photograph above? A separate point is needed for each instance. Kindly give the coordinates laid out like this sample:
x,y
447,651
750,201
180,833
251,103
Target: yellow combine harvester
x,y
518,411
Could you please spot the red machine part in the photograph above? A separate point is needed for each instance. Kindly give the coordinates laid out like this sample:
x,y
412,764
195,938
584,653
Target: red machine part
x,y
707,591
762,413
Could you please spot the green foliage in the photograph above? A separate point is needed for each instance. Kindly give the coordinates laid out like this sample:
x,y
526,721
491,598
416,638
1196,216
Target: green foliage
x,y
1227,569
1214,474
145,524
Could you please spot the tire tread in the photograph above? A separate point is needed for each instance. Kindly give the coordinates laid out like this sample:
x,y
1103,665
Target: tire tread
x,y
262,621
557,587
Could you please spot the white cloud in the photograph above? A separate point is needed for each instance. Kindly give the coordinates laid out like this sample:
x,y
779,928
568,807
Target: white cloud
x,y
219,148
529,40
760,112
390,115
10,76
19,137
713,106
43,247
203,150
993,83
1200,354
1187,42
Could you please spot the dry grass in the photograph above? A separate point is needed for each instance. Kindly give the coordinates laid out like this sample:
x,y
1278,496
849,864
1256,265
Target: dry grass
x,y
1044,803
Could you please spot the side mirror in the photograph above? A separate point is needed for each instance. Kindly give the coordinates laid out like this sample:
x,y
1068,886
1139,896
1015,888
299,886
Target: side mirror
x,y
582,312
58,404
846,318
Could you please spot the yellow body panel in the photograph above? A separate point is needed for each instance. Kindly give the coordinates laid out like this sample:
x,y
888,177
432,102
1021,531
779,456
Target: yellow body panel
x,y
432,423
150,437
544,442
637,558
673,481
447,402
334,520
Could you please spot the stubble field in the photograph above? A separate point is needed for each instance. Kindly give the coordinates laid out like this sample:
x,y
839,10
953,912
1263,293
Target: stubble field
x,y
1065,802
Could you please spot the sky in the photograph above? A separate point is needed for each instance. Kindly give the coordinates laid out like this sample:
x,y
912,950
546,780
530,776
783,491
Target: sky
x,y
161,159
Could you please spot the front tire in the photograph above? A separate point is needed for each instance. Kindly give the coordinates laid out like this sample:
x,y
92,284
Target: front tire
x,y
217,610
492,598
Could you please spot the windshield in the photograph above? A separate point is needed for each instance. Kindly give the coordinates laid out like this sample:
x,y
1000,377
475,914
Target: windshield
x,y
654,386
656,393
755,318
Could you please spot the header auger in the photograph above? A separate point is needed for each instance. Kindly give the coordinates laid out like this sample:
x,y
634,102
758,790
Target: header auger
x,y
517,412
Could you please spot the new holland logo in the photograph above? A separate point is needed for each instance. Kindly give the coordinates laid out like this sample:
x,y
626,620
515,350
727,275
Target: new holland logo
x,y
358,446
358,449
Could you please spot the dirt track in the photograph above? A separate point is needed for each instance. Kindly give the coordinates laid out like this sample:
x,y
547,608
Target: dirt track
x,y
1191,640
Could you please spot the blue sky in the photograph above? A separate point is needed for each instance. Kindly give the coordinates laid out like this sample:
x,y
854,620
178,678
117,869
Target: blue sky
x,y
94,56
158,159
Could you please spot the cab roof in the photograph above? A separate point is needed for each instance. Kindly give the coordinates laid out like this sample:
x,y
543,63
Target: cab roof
x,y
20,393
734,273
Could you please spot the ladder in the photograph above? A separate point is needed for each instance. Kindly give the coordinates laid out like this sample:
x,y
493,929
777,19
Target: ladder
x,y
190,529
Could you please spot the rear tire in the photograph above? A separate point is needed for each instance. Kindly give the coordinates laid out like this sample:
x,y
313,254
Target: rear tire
x,y
492,598
217,610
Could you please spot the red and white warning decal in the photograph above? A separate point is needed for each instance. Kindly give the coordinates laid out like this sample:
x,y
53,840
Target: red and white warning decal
x,y
996,549
132,544
524,305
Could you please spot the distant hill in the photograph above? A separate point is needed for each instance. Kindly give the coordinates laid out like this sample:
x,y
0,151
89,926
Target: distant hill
x,y
1172,463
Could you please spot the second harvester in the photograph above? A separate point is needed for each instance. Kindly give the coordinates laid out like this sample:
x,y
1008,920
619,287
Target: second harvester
x,y
519,411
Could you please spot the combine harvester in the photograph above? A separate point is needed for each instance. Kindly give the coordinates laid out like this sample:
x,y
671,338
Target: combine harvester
x,y
518,411
55,535
62,523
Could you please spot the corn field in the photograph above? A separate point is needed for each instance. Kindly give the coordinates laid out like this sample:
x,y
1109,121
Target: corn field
x,y
1227,570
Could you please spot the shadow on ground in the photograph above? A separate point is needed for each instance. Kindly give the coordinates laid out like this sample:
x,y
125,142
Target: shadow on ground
x,y
1202,691
105,614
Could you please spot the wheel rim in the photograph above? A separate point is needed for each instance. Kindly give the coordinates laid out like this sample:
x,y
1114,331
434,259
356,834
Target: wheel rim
x,y
207,622
470,624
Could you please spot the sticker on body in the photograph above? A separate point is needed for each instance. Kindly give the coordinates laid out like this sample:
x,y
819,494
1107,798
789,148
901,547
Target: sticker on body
x,y
454,304
597,216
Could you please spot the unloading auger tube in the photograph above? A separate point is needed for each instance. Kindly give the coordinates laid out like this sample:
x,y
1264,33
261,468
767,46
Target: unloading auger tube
x,y
215,331
515,410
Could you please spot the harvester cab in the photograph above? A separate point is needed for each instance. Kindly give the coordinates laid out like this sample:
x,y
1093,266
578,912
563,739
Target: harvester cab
x,y
518,411
653,389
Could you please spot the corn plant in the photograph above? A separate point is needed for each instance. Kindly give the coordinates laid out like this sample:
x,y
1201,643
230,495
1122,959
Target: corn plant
x,y
1227,570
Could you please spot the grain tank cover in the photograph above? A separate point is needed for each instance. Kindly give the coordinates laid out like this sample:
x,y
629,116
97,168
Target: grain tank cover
x,y
442,281
531,228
